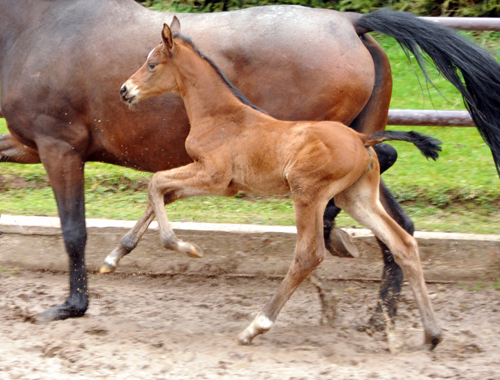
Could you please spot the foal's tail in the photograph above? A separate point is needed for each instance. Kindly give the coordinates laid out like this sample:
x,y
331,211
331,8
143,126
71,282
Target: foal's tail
x,y
429,146
469,68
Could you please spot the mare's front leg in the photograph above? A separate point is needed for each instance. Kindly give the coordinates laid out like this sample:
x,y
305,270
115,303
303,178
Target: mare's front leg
x,y
309,253
65,168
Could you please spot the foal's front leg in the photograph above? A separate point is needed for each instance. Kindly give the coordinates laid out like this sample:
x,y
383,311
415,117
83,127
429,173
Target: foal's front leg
x,y
188,181
128,242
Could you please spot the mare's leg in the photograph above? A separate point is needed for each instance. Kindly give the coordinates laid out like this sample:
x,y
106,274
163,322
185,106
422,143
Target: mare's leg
x,y
12,150
362,203
65,168
309,253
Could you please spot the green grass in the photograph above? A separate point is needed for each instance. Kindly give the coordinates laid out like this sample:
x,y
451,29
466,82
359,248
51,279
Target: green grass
x,y
459,192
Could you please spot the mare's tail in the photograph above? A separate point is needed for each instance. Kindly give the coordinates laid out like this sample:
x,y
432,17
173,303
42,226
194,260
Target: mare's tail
x,y
474,72
429,146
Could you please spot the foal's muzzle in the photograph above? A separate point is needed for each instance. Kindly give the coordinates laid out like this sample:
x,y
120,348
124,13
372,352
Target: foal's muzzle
x,y
127,93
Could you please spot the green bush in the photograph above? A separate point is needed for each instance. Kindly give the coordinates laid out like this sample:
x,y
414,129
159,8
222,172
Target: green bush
x,y
476,8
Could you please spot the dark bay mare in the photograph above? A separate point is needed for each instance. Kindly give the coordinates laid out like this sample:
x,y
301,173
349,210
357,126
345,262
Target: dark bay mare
x,y
62,61
235,146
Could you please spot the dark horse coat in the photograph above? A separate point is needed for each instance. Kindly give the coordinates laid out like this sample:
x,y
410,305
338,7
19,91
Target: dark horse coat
x,y
62,63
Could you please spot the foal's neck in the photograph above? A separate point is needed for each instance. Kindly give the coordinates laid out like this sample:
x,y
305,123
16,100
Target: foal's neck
x,y
207,96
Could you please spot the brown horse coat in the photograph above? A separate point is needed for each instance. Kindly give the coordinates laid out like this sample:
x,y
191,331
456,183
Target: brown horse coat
x,y
61,62
237,147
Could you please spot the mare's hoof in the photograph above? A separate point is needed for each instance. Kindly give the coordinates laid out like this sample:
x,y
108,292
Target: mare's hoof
x,y
375,323
58,313
107,268
341,244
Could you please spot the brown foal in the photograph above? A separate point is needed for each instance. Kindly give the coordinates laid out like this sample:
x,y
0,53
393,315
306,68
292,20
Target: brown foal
x,y
236,146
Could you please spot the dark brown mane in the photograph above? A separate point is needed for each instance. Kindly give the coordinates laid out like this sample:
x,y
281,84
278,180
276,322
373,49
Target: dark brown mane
x,y
235,91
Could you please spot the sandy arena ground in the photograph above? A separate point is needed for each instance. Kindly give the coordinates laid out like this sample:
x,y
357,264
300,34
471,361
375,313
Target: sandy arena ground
x,y
184,327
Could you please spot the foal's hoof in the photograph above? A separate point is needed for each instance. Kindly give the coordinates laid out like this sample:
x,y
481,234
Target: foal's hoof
x,y
244,340
341,244
107,268
432,340
191,250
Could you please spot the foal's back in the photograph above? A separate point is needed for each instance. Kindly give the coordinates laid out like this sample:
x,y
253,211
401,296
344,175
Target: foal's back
x,y
278,157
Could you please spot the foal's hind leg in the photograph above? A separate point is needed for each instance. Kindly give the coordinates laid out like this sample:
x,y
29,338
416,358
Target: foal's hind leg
x,y
309,253
361,202
392,276
338,242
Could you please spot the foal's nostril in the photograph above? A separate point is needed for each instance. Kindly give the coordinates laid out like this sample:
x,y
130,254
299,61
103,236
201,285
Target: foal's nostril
x,y
123,90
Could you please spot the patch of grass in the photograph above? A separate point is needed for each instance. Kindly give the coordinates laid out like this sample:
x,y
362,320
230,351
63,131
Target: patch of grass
x,y
477,287
458,193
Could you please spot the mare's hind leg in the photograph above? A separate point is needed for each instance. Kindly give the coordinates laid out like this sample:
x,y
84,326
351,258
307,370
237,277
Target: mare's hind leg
x,y
362,203
392,277
309,253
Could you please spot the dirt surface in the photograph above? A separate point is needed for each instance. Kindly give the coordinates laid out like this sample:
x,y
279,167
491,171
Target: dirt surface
x,y
184,327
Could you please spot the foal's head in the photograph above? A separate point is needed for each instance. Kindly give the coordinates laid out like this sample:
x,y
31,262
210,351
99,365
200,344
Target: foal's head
x,y
157,75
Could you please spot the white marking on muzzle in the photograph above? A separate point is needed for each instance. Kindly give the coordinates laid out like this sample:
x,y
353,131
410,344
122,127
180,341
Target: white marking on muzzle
x,y
132,93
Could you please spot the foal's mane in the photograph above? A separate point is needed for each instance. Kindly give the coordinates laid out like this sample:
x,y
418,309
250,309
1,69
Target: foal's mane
x,y
234,90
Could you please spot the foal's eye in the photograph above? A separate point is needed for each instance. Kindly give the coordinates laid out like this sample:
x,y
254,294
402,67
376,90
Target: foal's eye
x,y
151,66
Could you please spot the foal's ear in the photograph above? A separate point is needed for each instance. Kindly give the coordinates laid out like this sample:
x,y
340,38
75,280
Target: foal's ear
x,y
175,26
166,36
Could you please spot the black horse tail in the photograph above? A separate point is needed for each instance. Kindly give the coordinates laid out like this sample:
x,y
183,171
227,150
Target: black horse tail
x,y
472,70
429,146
